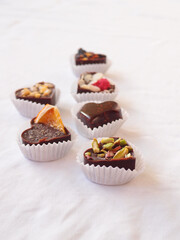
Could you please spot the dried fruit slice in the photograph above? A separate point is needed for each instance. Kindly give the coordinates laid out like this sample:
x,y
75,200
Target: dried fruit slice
x,y
50,115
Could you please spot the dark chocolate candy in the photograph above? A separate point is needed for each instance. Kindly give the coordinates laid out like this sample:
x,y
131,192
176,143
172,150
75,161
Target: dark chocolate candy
x,y
83,57
36,94
86,83
41,133
125,162
97,114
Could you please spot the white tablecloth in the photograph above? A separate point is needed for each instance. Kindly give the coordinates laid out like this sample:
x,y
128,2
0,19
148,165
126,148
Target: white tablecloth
x,y
54,200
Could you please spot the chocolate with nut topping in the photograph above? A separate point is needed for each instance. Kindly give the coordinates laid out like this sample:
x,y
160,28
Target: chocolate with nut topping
x,y
41,92
97,114
94,82
115,152
83,57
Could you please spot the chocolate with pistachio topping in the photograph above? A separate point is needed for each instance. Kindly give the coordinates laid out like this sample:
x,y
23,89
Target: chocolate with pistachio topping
x,y
115,152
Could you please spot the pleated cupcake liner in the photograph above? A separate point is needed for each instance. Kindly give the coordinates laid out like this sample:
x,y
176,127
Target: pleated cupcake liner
x,y
45,152
106,130
94,67
94,96
27,108
109,175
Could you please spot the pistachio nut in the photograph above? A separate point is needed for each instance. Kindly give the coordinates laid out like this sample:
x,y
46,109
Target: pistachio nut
x,y
101,155
123,142
121,153
107,140
95,146
87,154
108,146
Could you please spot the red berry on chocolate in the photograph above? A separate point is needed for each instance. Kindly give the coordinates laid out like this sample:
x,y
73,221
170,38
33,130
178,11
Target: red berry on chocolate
x,y
103,84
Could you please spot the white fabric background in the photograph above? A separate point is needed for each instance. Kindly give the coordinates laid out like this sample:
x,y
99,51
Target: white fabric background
x,y
54,200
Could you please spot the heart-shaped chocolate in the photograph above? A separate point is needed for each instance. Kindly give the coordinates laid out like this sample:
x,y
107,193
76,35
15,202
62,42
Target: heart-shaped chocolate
x,y
97,114
83,57
41,92
104,154
41,133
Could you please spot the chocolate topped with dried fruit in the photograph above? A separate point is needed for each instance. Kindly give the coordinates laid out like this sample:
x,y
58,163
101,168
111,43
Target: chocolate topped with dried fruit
x,y
115,152
41,92
46,128
94,82
82,57
97,114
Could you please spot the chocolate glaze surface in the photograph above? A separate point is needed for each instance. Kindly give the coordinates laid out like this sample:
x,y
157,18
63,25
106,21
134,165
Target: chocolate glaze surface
x,y
97,114
41,133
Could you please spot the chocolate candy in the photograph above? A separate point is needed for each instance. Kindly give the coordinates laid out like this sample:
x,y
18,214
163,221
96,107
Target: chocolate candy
x,y
97,114
94,82
110,152
41,133
83,57
41,92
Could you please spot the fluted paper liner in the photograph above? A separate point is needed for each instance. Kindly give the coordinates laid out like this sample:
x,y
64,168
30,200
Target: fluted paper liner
x,y
27,108
102,131
94,67
45,152
93,96
109,175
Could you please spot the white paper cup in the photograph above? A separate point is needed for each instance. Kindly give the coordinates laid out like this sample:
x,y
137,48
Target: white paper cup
x,y
109,175
45,152
27,108
94,96
94,67
106,130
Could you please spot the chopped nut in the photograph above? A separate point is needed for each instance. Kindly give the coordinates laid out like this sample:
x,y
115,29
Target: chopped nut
x,y
121,153
109,154
87,78
117,142
97,76
34,89
49,85
107,140
35,94
87,154
128,155
91,88
25,92
95,146
81,82
37,85
101,155
43,88
108,146
47,92
123,142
